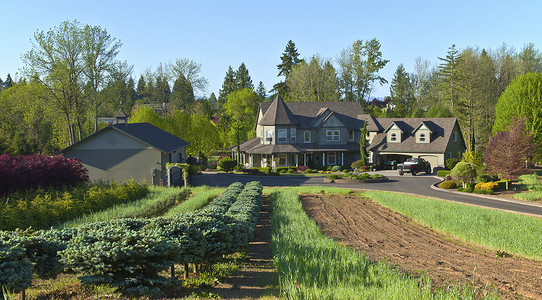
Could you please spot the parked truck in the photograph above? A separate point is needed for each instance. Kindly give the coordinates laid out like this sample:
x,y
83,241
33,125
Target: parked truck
x,y
414,166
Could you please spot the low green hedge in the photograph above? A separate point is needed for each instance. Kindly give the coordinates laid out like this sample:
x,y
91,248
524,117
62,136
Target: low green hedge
x,y
443,173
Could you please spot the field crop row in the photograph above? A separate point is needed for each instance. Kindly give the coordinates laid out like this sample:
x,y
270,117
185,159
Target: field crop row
x,y
130,254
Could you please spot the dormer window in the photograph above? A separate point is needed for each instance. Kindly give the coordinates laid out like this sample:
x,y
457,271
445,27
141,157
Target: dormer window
x,y
393,137
421,137
293,135
351,135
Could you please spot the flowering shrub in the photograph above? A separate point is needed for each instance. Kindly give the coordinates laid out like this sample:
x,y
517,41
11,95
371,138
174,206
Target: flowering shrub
x,y
488,186
32,171
448,184
302,168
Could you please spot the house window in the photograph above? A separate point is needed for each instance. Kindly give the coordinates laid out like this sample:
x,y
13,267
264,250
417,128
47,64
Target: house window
x,y
307,136
351,135
421,137
333,135
331,158
282,135
393,137
292,135
269,136
454,136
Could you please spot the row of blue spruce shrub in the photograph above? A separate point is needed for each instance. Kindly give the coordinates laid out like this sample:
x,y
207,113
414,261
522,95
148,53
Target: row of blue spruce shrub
x,y
130,253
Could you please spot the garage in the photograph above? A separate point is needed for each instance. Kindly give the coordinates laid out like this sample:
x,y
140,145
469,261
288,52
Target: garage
x,y
432,159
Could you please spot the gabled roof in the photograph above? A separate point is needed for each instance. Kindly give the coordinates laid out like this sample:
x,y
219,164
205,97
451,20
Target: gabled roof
x,y
441,129
350,113
121,114
427,124
403,126
145,133
278,114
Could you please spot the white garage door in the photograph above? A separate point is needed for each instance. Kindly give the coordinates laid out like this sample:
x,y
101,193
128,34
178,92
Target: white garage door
x,y
432,159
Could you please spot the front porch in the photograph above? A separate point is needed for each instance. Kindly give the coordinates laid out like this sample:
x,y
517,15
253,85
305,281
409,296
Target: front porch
x,y
313,160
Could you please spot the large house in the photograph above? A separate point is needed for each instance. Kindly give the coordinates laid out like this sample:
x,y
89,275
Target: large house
x,y
320,134
124,151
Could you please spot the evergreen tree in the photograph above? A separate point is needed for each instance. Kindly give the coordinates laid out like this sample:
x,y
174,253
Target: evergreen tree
x,y
289,59
449,76
402,93
213,102
130,95
140,90
228,86
9,82
261,91
363,145
183,94
242,78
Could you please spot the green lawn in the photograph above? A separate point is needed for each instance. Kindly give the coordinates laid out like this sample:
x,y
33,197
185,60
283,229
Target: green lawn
x,y
498,230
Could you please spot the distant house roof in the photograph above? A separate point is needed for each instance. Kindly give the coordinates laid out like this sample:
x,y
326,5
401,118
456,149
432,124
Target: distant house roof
x,y
278,114
145,133
441,130
351,114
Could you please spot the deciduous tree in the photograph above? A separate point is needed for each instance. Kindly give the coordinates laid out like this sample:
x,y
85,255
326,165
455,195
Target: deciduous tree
x,y
507,151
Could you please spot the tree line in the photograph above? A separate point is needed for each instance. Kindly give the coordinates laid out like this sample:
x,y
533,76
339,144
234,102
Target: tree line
x,y
72,77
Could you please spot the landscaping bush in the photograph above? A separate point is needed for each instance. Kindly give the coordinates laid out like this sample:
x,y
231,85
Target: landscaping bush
x,y
502,184
227,164
488,186
336,168
483,178
290,171
378,176
364,176
486,192
334,176
35,171
281,169
302,169
252,171
357,164
450,163
448,184
308,170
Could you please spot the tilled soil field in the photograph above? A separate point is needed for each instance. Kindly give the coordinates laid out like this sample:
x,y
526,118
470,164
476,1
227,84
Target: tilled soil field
x,y
383,234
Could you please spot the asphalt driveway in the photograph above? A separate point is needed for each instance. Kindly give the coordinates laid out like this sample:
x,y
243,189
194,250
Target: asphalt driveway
x,y
420,185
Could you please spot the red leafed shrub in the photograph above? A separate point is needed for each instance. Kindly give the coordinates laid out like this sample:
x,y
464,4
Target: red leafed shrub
x,y
24,172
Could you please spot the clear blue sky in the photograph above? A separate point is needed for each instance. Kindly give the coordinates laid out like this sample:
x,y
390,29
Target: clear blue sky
x,y
222,33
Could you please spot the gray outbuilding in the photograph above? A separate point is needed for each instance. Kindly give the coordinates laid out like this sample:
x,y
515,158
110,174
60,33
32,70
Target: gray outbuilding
x,y
124,151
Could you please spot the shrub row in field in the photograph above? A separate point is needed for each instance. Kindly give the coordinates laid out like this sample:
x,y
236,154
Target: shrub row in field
x,y
130,253
33,171
44,208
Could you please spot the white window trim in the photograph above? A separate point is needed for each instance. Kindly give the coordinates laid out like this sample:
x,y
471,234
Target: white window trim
x,y
305,137
333,135
269,136
422,137
293,135
282,136
393,137
351,132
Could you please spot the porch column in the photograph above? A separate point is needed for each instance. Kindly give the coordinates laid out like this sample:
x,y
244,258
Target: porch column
x,y
342,158
273,161
323,159
296,160
304,159
251,160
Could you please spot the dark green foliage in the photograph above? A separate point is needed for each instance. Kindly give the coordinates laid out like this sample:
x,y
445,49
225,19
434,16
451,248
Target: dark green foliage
x,y
450,163
227,164
364,176
161,206
182,96
334,176
443,173
363,146
15,267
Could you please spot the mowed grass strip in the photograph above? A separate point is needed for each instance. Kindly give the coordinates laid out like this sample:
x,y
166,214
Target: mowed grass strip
x,y
498,230
313,266
200,197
